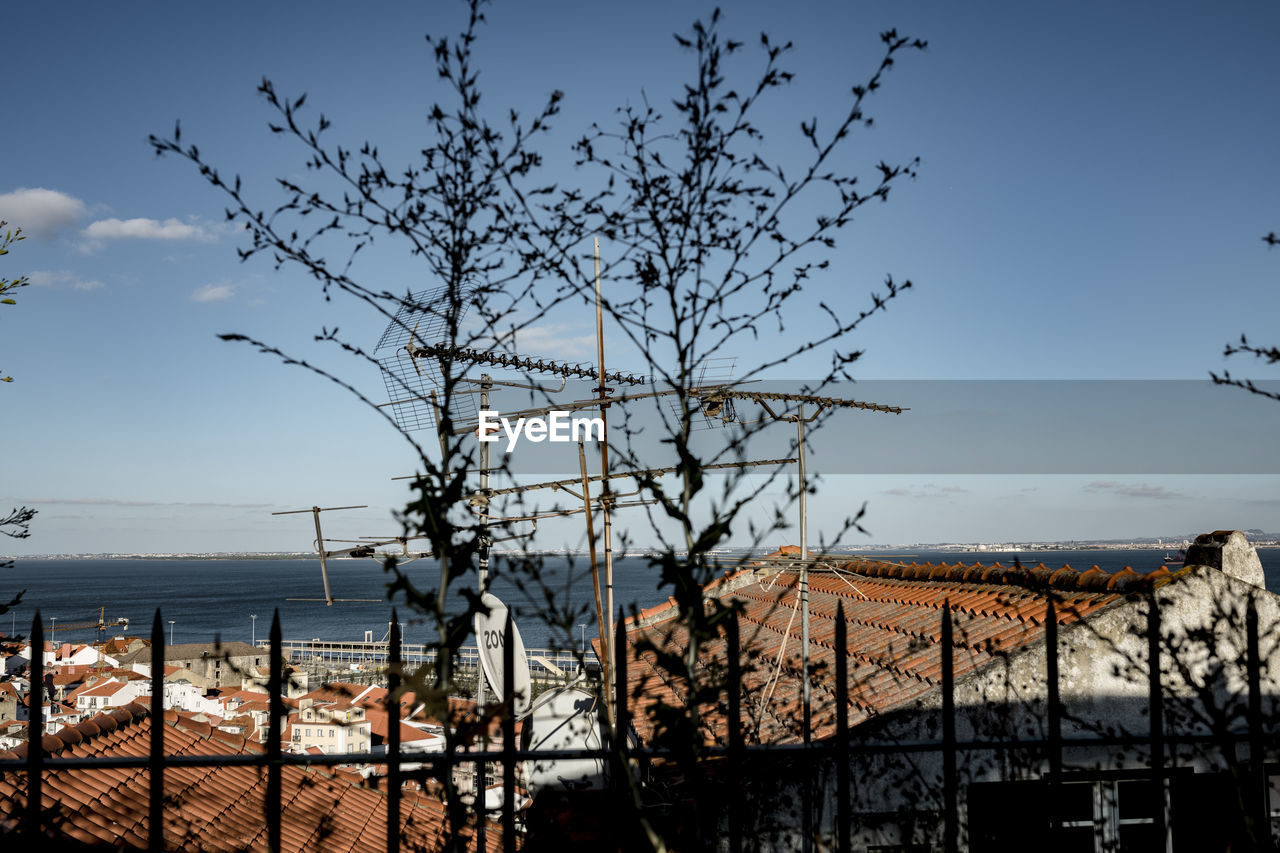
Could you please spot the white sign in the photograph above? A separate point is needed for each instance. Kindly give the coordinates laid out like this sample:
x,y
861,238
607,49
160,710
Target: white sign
x,y
557,426
490,630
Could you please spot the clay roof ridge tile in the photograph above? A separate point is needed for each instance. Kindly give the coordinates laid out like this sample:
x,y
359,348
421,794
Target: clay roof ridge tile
x,y
1126,580
1094,580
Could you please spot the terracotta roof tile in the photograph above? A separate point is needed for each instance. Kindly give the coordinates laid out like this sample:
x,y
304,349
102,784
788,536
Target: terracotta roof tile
x,y
892,612
216,808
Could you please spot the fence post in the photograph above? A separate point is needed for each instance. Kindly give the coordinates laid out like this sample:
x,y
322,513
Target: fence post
x,y
734,689
842,731
1053,709
1259,811
1155,702
275,689
35,728
393,735
622,723
508,739
155,838
1053,721
950,818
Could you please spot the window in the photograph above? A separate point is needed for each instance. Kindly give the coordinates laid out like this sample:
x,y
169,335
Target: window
x,y
1079,816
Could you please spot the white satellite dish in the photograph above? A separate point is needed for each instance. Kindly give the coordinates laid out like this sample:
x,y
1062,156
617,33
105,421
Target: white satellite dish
x,y
564,718
489,633
494,796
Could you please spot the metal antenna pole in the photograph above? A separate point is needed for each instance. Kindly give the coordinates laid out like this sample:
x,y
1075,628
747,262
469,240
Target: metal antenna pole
x,y
606,496
804,616
804,572
606,664
486,383
324,569
478,777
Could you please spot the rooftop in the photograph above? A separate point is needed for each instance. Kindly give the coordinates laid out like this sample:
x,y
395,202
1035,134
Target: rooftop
x,y
893,616
210,808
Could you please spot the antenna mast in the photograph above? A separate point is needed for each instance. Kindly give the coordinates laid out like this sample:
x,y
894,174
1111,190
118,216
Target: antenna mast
x,y
606,495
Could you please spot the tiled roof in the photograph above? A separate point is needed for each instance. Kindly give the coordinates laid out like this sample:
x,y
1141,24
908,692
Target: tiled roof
x,y
106,688
211,808
379,728
893,616
120,645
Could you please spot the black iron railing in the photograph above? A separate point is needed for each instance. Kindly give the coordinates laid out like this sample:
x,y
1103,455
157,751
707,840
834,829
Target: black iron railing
x,y
840,752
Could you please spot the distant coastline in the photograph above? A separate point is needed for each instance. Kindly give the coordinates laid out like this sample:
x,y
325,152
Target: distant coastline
x,y
1147,543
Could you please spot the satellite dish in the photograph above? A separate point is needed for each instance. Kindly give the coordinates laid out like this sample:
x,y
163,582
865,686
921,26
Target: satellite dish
x,y
564,718
489,634
494,796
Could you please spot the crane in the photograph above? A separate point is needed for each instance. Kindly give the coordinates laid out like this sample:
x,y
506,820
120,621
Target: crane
x,y
101,625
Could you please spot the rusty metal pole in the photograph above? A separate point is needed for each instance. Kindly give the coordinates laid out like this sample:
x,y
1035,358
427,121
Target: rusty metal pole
x,y
606,494
478,769
606,664
804,576
324,569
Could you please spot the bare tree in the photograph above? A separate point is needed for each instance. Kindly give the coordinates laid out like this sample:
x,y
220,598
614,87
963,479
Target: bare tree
x,y
9,285
17,524
709,246
1267,354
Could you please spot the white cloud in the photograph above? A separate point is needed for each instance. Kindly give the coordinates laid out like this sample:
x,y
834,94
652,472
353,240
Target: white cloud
x,y
1133,490
63,278
124,503
39,211
142,228
555,340
212,293
928,491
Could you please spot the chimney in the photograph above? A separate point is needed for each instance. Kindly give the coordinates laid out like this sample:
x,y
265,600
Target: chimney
x,y
1230,552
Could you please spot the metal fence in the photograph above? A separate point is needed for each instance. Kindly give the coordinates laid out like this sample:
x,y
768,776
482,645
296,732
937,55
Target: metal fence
x,y
544,664
729,762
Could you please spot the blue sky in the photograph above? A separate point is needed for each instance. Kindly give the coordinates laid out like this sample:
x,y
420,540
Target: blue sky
x,y
1094,182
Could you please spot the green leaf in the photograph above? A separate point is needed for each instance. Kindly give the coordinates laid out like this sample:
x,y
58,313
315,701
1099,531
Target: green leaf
x,y
7,302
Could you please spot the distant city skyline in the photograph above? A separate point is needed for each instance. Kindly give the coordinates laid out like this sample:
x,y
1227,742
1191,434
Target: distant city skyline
x,y
1094,182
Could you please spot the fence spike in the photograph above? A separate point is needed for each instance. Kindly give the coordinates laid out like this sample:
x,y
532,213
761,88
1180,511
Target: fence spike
x,y
35,729
155,837
1257,806
393,735
1054,710
734,689
508,738
275,687
950,830
842,732
1155,702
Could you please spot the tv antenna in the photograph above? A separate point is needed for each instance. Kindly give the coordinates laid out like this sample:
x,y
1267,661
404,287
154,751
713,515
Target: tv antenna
x,y
362,549
420,345
719,403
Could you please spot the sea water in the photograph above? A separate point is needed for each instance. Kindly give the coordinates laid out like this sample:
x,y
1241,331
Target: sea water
x,y
203,598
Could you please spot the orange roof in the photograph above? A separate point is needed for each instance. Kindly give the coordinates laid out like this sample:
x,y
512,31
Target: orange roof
x,y
225,696
106,688
336,692
379,727
893,616
212,808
